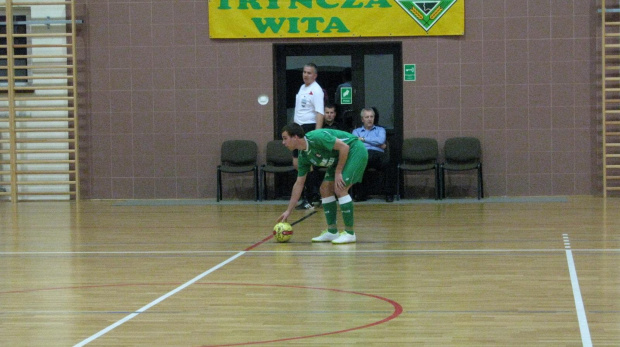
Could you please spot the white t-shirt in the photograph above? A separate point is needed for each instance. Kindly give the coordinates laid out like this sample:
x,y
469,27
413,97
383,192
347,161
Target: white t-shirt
x,y
309,100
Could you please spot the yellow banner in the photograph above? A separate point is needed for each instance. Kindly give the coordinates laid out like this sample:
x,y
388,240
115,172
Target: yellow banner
x,y
238,19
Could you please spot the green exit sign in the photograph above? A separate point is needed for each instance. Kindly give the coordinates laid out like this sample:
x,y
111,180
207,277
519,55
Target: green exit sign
x,y
409,72
346,95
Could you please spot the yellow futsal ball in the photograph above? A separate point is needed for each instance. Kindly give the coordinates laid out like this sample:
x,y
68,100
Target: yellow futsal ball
x,y
282,232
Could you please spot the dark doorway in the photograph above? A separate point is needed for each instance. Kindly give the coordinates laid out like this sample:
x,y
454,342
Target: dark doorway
x,y
376,79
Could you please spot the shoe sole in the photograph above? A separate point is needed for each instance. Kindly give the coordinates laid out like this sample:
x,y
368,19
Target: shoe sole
x,y
313,240
322,240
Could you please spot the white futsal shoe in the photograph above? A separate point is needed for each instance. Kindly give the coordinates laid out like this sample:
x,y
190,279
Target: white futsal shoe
x,y
325,236
344,237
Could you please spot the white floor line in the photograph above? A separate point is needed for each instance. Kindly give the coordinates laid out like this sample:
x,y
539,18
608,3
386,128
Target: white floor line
x,y
497,250
157,301
586,340
583,323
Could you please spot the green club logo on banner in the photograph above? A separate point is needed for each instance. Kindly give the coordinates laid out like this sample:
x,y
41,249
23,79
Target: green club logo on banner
x,y
424,12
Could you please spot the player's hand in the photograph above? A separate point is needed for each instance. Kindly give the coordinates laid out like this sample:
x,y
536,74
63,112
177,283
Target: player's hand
x,y
283,217
339,181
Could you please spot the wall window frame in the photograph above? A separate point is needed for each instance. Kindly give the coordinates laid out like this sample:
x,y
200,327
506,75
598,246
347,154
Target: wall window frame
x,y
21,54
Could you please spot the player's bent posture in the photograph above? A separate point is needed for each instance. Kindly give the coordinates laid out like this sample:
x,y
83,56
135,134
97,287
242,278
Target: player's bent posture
x,y
345,158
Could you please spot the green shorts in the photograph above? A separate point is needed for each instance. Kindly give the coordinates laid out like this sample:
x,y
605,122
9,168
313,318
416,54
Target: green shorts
x,y
355,166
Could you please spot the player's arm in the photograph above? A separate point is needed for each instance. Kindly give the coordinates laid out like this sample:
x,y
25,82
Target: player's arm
x,y
343,154
298,188
319,107
319,120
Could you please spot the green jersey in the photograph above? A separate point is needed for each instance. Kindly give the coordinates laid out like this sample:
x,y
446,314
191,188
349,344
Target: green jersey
x,y
320,150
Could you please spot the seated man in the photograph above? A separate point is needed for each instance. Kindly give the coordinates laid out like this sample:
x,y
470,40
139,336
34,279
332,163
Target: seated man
x,y
329,118
375,141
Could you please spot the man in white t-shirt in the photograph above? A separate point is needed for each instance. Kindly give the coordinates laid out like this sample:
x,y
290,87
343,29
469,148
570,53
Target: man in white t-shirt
x,y
309,102
309,110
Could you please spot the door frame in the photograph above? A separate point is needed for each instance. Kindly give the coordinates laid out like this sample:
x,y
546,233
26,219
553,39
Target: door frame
x,y
356,50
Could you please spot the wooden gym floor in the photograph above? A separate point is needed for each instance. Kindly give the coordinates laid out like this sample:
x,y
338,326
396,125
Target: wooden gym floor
x,y
100,273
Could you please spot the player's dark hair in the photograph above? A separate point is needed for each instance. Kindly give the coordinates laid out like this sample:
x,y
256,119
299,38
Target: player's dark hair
x,y
329,105
294,129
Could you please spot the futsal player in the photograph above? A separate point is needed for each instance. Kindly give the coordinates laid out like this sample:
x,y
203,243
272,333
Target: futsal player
x,y
345,158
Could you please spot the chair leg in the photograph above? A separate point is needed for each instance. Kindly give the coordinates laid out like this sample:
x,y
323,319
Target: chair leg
x,y
480,183
218,195
265,194
385,188
256,191
263,190
437,184
261,193
442,183
398,177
